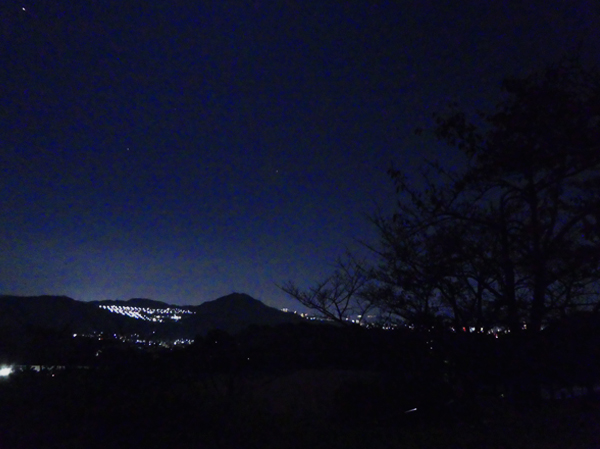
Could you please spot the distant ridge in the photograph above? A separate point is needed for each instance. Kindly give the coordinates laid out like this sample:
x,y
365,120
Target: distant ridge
x,y
134,302
237,311
234,301
232,313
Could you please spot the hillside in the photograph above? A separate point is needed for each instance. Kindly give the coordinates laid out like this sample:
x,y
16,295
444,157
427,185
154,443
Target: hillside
x,y
145,317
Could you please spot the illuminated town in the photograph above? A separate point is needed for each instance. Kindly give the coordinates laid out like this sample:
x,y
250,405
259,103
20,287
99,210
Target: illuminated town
x,y
148,313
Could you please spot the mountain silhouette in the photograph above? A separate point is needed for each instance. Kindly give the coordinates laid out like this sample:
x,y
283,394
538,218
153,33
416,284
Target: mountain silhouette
x,y
235,312
20,315
134,302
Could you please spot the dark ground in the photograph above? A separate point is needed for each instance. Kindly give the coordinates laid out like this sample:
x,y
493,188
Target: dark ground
x,y
302,409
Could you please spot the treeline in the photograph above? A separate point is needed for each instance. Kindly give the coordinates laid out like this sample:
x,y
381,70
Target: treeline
x,y
507,237
523,368
306,383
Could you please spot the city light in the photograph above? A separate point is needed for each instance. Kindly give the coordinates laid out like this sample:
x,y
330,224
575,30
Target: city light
x,y
5,371
148,313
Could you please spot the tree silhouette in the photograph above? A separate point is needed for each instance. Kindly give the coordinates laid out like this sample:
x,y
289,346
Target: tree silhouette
x,y
514,237
344,294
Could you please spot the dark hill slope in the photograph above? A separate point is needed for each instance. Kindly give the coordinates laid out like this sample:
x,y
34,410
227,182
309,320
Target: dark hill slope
x,y
231,313
235,312
58,313
134,302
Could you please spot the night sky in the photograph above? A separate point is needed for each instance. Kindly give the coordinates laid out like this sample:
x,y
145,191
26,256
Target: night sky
x,y
184,150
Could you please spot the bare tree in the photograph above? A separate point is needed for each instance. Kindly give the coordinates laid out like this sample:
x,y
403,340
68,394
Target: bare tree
x,y
514,237
343,297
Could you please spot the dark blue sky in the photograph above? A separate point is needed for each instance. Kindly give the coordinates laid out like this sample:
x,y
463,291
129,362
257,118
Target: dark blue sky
x,y
184,150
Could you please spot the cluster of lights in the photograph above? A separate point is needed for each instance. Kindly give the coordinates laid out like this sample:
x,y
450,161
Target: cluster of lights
x,y
136,339
179,342
366,321
148,313
306,315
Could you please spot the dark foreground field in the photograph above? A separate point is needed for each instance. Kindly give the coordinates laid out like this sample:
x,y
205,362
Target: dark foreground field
x,y
301,409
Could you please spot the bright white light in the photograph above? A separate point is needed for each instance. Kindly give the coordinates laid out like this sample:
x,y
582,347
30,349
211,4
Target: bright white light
x,y
5,371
